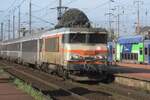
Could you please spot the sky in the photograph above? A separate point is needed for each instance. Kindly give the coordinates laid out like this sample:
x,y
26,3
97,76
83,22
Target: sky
x,y
43,12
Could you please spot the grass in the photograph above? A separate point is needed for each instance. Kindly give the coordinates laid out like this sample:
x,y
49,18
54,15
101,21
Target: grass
x,y
1,71
37,95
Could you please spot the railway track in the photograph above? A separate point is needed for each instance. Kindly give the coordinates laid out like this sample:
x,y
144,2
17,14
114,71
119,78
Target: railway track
x,y
59,89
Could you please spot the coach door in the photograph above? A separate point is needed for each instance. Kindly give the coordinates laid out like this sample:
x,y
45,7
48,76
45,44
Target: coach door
x,y
110,53
149,53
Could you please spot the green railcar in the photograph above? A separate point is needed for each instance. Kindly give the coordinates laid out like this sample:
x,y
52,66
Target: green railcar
x,y
130,49
135,55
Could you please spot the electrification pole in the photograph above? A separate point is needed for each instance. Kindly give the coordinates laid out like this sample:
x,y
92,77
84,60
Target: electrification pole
x,y
2,29
138,2
30,18
13,26
9,28
146,15
110,14
60,10
118,21
19,21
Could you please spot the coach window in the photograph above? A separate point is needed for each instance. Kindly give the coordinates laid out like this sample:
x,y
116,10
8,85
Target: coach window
x,y
146,51
149,51
18,47
141,51
136,56
122,55
41,45
29,46
128,56
131,56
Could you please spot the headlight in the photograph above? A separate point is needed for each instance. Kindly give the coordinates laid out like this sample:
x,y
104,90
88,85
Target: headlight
x,y
101,57
75,57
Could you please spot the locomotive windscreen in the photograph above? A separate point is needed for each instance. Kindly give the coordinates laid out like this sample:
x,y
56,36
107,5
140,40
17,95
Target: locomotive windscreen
x,y
84,38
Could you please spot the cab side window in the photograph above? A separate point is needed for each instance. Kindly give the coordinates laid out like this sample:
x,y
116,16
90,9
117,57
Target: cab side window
x,y
146,51
52,44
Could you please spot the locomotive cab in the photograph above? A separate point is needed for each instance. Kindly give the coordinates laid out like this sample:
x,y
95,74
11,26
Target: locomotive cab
x,y
84,53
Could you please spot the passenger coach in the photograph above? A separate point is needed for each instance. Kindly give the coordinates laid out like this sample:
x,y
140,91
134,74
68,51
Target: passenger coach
x,y
133,49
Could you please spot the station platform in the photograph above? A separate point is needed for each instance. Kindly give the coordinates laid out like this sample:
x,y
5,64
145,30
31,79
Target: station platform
x,y
137,71
133,75
8,91
134,65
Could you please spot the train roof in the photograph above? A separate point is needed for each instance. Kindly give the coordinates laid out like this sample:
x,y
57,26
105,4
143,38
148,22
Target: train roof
x,y
130,39
40,35
26,38
147,41
82,30
74,30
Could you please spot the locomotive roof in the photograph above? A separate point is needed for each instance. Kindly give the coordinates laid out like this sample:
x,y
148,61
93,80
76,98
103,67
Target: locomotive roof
x,y
56,31
80,30
74,30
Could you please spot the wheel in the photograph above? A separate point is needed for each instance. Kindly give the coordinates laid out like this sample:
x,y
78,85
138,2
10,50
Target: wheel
x,y
60,71
109,78
38,66
66,74
44,67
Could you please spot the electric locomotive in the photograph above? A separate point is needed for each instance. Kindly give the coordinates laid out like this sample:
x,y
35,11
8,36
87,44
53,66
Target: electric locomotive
x,y
75,51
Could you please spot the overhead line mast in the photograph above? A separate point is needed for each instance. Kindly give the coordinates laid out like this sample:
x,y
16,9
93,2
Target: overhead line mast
x,y
109,19
9,28
19,18
60,10
14,23
138,2
30,17
2,31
